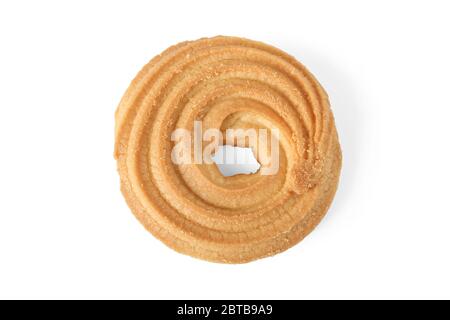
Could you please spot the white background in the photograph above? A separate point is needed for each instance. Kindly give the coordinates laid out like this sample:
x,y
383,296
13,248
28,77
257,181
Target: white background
x,y
65,230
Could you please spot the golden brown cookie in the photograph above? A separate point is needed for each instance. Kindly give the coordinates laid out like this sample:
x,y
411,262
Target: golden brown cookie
x,y
227,82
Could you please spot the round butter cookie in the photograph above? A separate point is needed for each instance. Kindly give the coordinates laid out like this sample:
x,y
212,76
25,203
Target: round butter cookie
x,y
227,83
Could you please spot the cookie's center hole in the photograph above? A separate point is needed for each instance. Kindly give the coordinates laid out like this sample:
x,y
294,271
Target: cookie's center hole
x,y
232,160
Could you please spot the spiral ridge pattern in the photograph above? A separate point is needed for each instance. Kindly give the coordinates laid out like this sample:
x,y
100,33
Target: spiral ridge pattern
x,y
227,82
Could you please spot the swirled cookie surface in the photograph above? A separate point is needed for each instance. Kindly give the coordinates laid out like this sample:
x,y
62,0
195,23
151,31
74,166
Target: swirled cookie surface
x,y
227,82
